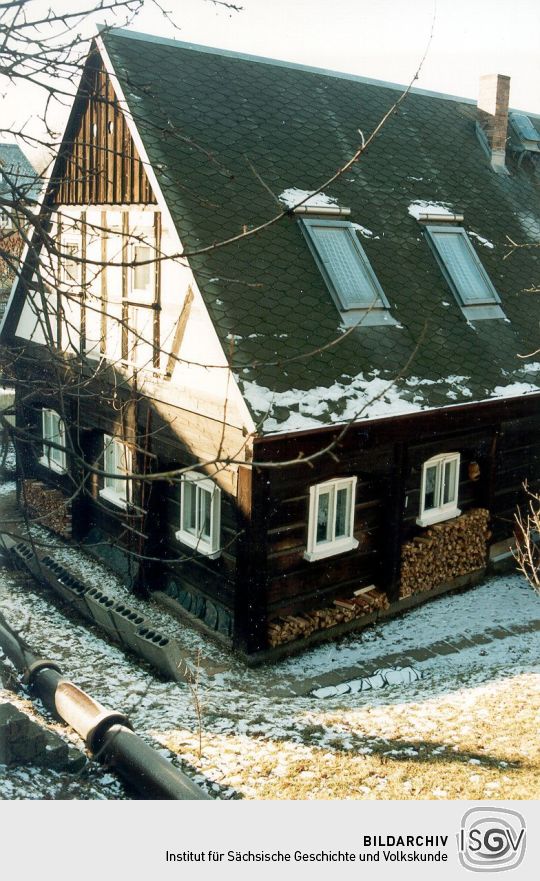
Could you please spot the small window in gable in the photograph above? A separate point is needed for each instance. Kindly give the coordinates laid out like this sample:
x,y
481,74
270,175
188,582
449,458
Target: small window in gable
x,y
464,272
200,514
70,261
331,518
143,269
347,271
53,430
116,464
439,489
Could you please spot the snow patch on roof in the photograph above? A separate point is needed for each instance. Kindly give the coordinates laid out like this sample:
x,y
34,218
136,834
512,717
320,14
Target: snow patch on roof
x,y
485,242
514,390
364,231
530,367
419,206
292,196
357,398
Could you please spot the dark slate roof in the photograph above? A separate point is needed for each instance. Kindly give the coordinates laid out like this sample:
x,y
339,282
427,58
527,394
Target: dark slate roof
x,y
18,178
227,133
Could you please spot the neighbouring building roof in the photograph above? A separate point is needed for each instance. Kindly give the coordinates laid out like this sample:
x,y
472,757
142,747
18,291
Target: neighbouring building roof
x,y
18,179
233,139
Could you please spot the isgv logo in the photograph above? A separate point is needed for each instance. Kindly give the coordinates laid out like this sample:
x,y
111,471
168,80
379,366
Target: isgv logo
x,y
491,840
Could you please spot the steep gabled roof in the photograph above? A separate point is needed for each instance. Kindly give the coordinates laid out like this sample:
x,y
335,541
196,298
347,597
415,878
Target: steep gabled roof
x,y
17,176
228,135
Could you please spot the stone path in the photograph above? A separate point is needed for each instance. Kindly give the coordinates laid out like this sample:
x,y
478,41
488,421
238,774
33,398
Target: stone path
x,y
304,687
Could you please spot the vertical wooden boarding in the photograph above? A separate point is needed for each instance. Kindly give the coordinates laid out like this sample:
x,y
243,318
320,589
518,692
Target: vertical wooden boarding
x,y
157,293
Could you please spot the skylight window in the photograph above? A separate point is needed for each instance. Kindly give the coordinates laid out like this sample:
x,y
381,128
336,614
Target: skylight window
x,y
347,271
464,272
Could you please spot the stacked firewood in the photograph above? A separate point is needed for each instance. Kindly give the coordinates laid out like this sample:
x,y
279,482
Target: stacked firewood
x,y
302,625
47,507
445,551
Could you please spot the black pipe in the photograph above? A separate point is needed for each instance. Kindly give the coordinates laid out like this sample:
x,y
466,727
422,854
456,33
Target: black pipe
x,y
106,733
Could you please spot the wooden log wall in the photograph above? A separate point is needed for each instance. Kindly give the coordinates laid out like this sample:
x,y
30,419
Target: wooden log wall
x,y
100,164
294,584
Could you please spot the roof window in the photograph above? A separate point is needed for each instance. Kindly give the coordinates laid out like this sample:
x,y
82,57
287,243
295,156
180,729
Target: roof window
x,y
347,271
526,131
464,272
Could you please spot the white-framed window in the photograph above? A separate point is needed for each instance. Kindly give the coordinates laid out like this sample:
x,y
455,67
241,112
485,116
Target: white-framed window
x,y
200,514
142,270
439,489
331,518
5,220
53,430
117,460
70,260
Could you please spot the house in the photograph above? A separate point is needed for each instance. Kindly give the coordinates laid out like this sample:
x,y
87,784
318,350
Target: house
x,y
19,191
287,398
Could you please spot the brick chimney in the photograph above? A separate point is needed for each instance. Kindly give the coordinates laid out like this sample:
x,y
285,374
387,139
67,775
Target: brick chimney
x,y
492,124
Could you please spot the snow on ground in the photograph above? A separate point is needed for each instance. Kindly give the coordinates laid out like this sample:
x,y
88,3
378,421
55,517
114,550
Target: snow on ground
x,y
451,731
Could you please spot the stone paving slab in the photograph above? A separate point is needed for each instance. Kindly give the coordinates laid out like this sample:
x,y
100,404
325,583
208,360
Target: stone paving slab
x,y
442,648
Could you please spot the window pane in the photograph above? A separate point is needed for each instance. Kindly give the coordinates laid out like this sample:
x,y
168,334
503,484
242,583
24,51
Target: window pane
x,y
205,502
190,507
430,488
340,256
142,274
460,260
322,517
342,512
449,488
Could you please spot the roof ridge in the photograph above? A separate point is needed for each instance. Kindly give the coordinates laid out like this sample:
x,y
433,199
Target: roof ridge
x,y
104,30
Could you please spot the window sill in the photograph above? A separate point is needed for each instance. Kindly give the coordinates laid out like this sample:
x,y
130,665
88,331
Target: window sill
x,y
197,544
438,516
52,466
110,496
331,550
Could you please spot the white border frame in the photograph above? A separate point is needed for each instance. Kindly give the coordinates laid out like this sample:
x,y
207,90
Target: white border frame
x,y
210,548
107,493
441,512
45,458
335,546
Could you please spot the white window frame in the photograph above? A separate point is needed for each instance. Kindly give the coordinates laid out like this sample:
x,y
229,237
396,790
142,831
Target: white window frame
x,y
210,547
117,459
150,290
319,550
5,218
53,429
441,511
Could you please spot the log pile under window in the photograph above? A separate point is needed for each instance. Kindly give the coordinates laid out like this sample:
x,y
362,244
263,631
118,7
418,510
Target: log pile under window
x,y
445,551
302,625
47,507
